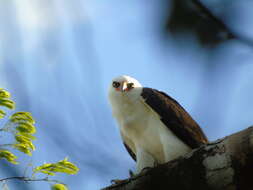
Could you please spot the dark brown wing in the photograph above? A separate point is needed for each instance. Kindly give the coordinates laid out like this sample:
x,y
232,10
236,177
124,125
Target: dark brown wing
x,y
174,116
132,154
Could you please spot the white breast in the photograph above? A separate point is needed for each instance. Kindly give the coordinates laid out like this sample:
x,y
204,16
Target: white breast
x,y
142,129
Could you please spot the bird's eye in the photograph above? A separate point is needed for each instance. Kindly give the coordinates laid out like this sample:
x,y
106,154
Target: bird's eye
x,y
116,84
130,85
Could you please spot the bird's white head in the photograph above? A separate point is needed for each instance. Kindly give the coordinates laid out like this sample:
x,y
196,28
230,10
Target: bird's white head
x,y
123,89
124,84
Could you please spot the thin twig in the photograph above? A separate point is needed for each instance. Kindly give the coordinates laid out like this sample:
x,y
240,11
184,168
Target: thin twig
x,y
27,179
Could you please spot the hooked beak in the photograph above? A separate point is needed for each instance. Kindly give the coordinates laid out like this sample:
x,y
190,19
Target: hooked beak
x,y
124,87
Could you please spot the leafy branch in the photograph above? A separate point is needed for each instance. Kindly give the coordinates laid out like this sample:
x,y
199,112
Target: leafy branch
x,y
21,126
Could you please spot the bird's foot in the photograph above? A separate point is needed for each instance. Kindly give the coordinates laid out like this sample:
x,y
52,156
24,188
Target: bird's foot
x,y
118,181
144,170
149,167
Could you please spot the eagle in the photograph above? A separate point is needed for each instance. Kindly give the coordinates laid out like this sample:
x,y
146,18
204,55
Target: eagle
x,y
154,127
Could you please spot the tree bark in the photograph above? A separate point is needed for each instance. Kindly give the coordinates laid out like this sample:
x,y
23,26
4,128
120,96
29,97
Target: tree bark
x,y
225,164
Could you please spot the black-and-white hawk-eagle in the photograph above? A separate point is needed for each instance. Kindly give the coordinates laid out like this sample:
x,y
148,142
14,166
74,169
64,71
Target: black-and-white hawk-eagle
x,y
154,127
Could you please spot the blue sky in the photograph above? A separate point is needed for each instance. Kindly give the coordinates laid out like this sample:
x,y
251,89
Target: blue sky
x,y
57,58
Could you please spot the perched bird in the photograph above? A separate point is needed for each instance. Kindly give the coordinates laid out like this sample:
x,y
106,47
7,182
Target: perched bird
x,y
153,126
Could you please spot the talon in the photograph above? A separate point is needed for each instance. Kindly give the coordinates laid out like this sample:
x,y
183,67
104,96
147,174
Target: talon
x,y
145,169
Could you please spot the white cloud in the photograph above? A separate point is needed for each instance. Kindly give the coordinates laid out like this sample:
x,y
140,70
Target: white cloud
x,y
43,14
34,13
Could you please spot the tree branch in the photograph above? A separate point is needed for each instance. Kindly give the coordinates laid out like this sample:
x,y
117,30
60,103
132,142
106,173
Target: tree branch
x,y
225,164
27,179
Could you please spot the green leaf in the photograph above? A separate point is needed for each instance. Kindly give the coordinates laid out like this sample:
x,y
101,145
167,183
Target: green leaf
x,y
6,154
23,148
24,127
4,94
59,186
2,114
67,166
63,166
7,103
25,141
4,99
27,135
22,116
